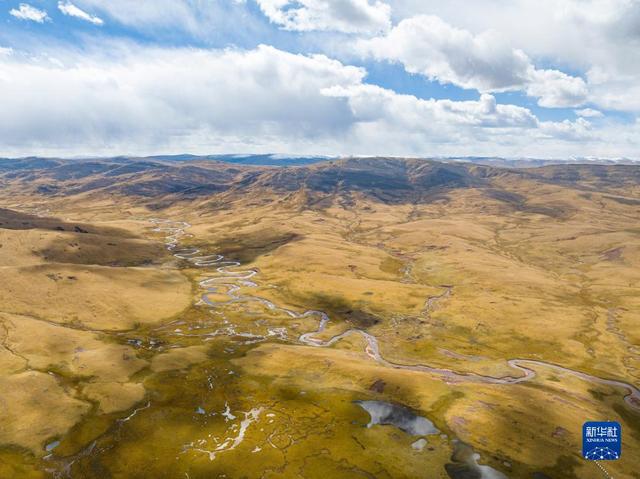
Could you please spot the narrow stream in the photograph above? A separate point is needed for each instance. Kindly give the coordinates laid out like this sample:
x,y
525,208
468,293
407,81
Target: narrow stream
x,y
228,280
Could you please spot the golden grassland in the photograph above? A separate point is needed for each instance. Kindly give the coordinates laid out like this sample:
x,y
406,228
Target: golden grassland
x,y
562,289
463,282
58,299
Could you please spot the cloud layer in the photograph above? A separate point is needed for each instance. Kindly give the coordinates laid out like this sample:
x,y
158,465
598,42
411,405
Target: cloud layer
x,y
170,76
27,12
485,62
347,16
153,100
599,38
68,8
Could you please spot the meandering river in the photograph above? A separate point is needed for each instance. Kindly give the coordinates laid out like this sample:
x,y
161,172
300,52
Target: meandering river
x,y
228,278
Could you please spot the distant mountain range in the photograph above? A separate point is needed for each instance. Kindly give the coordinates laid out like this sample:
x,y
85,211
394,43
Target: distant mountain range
x,y
216,181
272,159
525,162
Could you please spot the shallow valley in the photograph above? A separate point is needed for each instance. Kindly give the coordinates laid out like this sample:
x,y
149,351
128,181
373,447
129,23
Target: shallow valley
x,y
357,318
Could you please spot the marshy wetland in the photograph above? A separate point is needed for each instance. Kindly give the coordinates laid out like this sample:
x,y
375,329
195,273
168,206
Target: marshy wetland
x,y
281,338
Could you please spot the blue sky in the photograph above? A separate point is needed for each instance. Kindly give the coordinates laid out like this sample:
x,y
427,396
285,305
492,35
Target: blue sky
x,y
388,77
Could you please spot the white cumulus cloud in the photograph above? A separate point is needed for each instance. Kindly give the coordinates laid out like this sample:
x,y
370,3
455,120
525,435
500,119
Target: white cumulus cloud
x,y
123,98
568,130
349,16
589,113
152,96
431,47
486,62
373,103
27,12
600,38
555,89
70,9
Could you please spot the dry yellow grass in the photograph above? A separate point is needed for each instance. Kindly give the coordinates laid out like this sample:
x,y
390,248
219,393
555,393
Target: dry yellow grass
x,y
94,297
35,408
64,283
465,280
179,358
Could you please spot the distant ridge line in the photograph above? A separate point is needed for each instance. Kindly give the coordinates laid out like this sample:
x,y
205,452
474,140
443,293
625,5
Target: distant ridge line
x,y
274,159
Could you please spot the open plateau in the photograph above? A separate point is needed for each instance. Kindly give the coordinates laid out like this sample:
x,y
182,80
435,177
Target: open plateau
x,y
195,317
